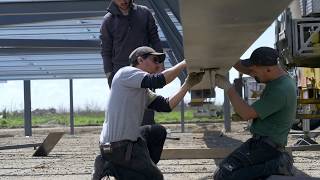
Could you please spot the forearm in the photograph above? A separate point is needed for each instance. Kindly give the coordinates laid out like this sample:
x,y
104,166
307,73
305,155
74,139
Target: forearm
x,y
176,98
245,111
171,73
106,54
106,46
107,63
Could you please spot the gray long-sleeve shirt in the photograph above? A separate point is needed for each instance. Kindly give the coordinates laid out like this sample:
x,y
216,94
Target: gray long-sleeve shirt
x,y
121,34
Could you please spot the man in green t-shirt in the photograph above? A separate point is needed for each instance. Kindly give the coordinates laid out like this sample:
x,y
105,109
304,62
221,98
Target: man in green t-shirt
x,y
263,154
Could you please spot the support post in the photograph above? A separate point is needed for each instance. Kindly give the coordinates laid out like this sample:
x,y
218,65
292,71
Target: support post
x,y
226,111
71,108
182,114
27,108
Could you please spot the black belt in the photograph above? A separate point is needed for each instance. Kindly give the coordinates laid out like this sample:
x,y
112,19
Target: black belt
x,y
268,141
120,143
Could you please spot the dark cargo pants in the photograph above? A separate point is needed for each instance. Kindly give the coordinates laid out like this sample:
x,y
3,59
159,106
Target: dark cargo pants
x,y
145,154
253,159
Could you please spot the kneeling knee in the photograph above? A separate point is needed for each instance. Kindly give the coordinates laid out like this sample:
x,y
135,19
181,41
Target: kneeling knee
x,y
222,172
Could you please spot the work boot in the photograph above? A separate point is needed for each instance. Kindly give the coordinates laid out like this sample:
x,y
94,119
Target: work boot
x,y
286,164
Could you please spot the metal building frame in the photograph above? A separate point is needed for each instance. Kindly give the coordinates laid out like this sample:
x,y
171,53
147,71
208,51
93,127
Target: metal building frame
x,y
17,14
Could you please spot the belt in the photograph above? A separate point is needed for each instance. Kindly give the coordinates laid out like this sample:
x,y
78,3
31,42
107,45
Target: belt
x,y
120,143
268,141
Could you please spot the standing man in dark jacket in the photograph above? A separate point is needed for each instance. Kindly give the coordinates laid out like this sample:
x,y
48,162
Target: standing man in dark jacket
x,y
125,27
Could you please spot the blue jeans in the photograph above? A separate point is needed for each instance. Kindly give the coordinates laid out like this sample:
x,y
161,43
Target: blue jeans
x,y
253,159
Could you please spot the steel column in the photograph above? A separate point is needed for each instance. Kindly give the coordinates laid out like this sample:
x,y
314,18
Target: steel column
x,y
226,111
182,113
169,29
27,108
71,107
174,5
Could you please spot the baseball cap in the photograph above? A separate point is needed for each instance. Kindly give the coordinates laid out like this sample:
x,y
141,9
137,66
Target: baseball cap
x,y
263,56
144,50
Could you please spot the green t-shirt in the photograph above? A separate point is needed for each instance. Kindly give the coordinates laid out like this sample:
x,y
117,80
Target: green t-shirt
x,y
276,110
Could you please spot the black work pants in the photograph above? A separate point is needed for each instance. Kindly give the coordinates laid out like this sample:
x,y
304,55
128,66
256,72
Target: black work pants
x,y
139,166
155,136
253,159
145,154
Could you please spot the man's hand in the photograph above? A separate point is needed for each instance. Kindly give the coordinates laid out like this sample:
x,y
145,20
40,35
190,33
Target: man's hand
x,y
194,78
222,82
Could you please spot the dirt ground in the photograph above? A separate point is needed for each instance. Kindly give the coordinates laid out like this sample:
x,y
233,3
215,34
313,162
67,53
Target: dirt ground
x,y
73,156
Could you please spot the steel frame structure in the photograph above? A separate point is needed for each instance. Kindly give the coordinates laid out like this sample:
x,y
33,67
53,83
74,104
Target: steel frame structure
x,y
26,56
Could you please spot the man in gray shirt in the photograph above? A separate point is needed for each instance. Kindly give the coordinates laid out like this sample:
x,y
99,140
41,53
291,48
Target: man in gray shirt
x,y
122,140
125,27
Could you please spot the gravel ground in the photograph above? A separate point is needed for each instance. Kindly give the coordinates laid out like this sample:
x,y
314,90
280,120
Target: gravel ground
x,y
73,156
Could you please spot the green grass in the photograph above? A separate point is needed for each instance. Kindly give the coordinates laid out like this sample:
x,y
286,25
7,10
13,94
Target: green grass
x,y
93,118
175,116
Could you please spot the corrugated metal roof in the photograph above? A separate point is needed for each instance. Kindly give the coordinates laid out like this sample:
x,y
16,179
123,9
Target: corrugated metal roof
x,y
23,57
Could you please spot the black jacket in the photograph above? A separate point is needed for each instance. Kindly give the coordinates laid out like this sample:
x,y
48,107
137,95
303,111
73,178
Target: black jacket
x,y
120,35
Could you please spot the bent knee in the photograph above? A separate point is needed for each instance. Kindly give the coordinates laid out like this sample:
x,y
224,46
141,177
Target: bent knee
x,y
223,172
159,131
159,176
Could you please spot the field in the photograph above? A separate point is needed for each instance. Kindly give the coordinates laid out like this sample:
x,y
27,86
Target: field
x,y
89,118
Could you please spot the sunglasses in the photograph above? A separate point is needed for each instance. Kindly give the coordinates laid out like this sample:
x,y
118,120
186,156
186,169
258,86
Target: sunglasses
x,y
155,59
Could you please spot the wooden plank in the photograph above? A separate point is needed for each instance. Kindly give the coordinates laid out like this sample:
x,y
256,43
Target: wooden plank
x,y
277,177
48,144
314,147
6,135
213,153
20,146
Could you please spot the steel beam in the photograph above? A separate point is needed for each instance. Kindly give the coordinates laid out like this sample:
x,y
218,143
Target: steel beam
x,y
36,11
169,29
52,45
54,76
174,6
43,43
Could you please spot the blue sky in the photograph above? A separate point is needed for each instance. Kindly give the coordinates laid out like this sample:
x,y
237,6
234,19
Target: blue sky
x,y
92,92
